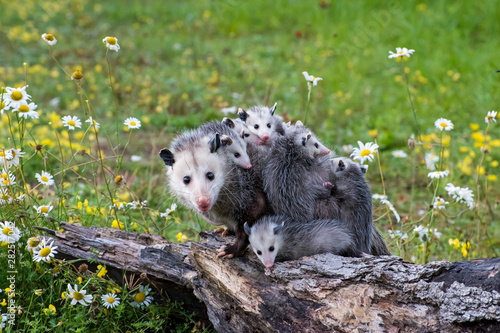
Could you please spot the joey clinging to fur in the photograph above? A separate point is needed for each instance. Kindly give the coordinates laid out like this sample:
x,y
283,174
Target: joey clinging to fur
x,y
212,185
263,123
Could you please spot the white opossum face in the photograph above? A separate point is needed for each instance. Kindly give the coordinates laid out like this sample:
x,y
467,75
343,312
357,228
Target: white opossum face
x,y
261,122
314,148
265,240
195,176
236,151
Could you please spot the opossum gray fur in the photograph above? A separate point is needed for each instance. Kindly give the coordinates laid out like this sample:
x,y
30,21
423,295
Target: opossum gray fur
x,y
278,238
212,186
229,142
295,172
261,121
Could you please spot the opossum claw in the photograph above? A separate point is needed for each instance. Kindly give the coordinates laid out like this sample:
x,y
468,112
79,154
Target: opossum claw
x,y
219,230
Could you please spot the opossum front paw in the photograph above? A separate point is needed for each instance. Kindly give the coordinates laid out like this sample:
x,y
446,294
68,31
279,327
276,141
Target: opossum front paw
x,y
219,230
328,185
230,251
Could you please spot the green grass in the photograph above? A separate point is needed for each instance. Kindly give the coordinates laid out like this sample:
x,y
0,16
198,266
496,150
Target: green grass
x,y
181,62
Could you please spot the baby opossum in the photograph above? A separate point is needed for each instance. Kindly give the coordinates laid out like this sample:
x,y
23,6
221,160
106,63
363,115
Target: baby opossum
x,y
295,172
212,186
231,144
261,121
278,238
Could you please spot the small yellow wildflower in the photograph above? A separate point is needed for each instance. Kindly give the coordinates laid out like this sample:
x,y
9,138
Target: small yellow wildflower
x,y
118,179
77,76
494,164
181,238
373,133
4,303
474,127
38,292
79,280
102,271
454,242
492,178
51,310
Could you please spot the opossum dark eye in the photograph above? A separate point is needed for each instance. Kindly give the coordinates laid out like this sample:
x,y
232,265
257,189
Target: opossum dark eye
x,y
256,126
316,145
259,253
186,180
210,176
246,135
237,155
271,249
269,125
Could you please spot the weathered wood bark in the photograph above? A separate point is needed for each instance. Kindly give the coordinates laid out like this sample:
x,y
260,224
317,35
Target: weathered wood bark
x,y
322,293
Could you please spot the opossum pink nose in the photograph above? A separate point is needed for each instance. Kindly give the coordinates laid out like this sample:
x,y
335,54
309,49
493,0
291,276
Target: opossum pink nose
x,y
324,152
203,203
265,137
248,166
269,265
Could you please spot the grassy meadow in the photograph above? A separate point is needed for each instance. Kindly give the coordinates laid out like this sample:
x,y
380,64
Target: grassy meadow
x,y
182,63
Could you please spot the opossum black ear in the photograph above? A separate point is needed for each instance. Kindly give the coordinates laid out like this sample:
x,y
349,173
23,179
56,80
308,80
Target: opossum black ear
x,y
273,108
364,168
214,143
298,123
242,114
247,228
225,140
309,135
228,122
167,157
277,229
341,165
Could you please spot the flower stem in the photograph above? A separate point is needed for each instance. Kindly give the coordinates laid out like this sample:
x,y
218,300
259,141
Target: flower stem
x,y
411,102
308,101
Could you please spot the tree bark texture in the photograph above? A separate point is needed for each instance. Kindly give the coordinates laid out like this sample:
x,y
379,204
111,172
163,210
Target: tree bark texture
x,y
321,293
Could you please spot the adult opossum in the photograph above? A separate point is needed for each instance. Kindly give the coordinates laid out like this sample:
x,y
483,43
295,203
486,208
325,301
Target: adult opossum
x,y
261,121
278,238
212,186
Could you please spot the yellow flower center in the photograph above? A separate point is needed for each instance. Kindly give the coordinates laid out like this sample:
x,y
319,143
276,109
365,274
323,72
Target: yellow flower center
x,y
77,75
2,105
401,52
16,95
45,179
34,242
111,40
7,231
44,210
45,252
49,37
24,108
140,297
6,182
444,125
71,122
4,175
111,300
439,203
489,117
365,152
2,154
133,123
77,295
5,197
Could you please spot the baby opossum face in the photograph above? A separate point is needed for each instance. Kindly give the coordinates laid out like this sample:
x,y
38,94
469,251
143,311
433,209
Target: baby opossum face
x,y
236,150
265,239
195,176
314,148
260,122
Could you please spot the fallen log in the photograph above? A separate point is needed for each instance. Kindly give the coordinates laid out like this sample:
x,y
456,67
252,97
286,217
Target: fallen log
x,y
321,293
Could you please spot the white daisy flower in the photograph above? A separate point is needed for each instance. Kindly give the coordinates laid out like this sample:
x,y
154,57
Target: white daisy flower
x,y
377,196
490,117
45,251
9,233
391,207
5,198
439,203
431,160
137,204
142,298
15,97
10,157
311,79
172,209
26,111
462,195
78,296
438,174
20,198
228,110
436,232
401,52
45,178
365,152
110,300
443,124
451,189
399,154
71,122
397,233
111,43
4,105
422,232
33,244
93,123
44,209
132,123
347,148
135,158
7,178
49,38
